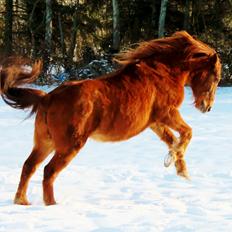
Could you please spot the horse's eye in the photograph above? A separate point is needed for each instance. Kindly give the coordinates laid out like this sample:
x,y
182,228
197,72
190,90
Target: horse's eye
x,y
199,55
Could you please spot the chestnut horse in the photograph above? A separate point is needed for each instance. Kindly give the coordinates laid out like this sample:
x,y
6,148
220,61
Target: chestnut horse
x,y
145,92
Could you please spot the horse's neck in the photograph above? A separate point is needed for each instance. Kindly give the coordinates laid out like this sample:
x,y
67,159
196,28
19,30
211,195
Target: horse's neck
x,y
181,76
159,73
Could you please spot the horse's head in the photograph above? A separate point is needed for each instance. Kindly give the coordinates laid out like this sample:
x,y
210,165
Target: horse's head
x,y
200,63
205,75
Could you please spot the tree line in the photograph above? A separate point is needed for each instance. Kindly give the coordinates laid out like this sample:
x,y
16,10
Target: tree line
x,y
74,32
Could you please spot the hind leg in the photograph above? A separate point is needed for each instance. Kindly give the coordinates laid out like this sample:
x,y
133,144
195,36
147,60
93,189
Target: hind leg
x,y
43,146
36,157
60,160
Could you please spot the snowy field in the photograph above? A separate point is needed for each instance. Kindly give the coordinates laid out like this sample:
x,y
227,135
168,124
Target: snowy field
x,y
124,187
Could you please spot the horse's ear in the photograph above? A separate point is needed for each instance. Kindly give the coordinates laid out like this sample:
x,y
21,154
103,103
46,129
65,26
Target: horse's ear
x,y
213,59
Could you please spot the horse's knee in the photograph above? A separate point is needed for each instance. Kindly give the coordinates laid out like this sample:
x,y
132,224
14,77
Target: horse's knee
x,y
189,133
186,134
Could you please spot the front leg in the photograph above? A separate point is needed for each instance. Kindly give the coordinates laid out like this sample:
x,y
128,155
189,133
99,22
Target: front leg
x,y
173,120
166,135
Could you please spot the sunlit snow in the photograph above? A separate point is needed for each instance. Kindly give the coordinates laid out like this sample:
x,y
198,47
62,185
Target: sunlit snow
x,y
124,187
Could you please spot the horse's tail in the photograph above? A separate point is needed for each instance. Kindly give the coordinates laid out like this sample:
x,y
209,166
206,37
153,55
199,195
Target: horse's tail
x,y
14,76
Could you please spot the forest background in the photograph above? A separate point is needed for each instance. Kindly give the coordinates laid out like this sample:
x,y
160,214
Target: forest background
x,y
71,34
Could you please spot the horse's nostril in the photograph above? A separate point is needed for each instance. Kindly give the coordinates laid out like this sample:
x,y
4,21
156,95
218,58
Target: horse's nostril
x,y
209,108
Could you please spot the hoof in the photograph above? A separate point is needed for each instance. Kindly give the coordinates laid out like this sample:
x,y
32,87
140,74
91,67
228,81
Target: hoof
x,y
21,201
181,169
50,203
184,174
169,159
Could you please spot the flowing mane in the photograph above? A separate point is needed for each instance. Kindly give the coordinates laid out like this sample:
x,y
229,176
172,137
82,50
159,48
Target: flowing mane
x,y
180,45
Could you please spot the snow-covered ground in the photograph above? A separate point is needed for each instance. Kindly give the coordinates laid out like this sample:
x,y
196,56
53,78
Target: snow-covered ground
x,y
124,187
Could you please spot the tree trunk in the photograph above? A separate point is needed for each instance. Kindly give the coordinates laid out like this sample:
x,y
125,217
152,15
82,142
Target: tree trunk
x,y
195,15
186,15
8,26
163,10
31,15
63,48
48,29
154,15
116,26
73,37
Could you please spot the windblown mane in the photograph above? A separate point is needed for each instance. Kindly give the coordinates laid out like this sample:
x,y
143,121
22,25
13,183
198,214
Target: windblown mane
x,y
179,45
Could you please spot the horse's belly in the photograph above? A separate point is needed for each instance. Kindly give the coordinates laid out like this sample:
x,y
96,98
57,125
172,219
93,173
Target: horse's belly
x,y
112,137
119,130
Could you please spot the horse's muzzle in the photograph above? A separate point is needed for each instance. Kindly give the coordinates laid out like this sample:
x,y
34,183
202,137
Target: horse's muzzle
x,y
204,107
